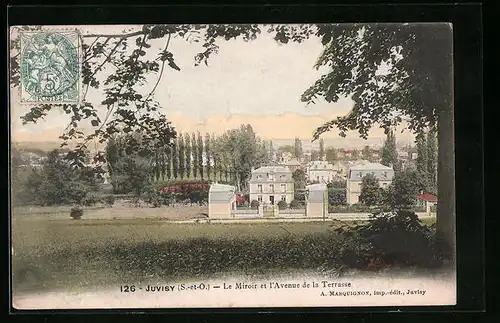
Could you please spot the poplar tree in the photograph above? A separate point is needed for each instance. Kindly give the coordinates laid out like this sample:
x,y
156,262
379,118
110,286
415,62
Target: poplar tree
x,y
194,150
175,160
182,156
200,155
208,154
187,147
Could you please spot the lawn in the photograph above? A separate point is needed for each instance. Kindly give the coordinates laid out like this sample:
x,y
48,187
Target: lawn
x,y
124,245
55,253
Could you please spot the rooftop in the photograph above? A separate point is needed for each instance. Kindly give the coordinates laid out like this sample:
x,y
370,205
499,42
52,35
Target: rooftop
x,y
370,166
427,197
271,169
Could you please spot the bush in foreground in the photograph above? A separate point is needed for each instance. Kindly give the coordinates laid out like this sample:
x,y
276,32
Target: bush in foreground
x,y
391,239
76,212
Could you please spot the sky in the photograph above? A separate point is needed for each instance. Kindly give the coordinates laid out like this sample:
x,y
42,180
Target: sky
x,y
258,82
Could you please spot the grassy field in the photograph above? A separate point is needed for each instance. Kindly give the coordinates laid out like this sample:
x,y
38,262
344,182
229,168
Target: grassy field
x,y
119,245
54,253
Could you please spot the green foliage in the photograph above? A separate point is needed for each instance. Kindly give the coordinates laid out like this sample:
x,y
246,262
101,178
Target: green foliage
x,y
321,149
153,196
90,199
391,239
254,204
298,153
402,193
76,212
282,205
337,196
237,151
58,183
366,154
331,155
297,204
109,200
389,153
299,178
182,156
370,190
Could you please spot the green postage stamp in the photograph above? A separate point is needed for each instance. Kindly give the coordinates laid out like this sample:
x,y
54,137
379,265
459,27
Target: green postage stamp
x,y
50,67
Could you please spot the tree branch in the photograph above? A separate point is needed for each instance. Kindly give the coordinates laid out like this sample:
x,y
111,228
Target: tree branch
x,y
161,73
132,34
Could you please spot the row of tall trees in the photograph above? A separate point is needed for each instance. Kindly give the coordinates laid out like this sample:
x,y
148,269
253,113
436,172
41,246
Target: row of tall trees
x,y
226,158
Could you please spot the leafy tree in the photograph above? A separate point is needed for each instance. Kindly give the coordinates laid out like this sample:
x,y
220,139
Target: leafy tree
x,y
200,155
331,155
167,162
60,183
370,190
298,153
299,178
282,205
355,154
196,163
432,160
175,160
314,155
287,149
321,149
366,154
208,153
238,150
337,196
402,193
271,151
389,152
214,155
181,156
187,148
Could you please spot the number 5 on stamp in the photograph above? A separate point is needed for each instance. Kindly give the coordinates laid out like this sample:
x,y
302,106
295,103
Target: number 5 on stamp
x,y
50,67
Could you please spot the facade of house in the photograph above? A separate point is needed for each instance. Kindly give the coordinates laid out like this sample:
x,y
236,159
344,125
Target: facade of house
x,y
321,171
271,184
356,173
427,201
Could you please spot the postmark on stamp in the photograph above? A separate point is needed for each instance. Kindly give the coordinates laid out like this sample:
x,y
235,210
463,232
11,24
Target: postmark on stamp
x,y
50,67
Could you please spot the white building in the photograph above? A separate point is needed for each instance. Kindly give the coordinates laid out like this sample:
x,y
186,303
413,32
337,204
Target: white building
x,y
356,173
321,171
270,184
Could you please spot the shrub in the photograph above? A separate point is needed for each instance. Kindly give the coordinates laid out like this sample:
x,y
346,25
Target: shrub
x,y
282,205
76,213
153,196
254,204
109,200
89,200
296,204
389,239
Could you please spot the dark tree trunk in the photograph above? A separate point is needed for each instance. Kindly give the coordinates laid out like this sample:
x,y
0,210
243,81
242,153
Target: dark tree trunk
x,y
445,217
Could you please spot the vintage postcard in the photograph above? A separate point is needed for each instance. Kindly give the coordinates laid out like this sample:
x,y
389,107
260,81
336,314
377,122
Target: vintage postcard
x,y
228,166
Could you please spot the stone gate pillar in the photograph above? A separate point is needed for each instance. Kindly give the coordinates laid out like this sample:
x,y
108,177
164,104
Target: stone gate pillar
x,y
317,201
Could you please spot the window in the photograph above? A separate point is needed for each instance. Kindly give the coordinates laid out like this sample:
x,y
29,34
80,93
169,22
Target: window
x,y
283,198
259,198
271,188
317,178
259,188
270,177
283,188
